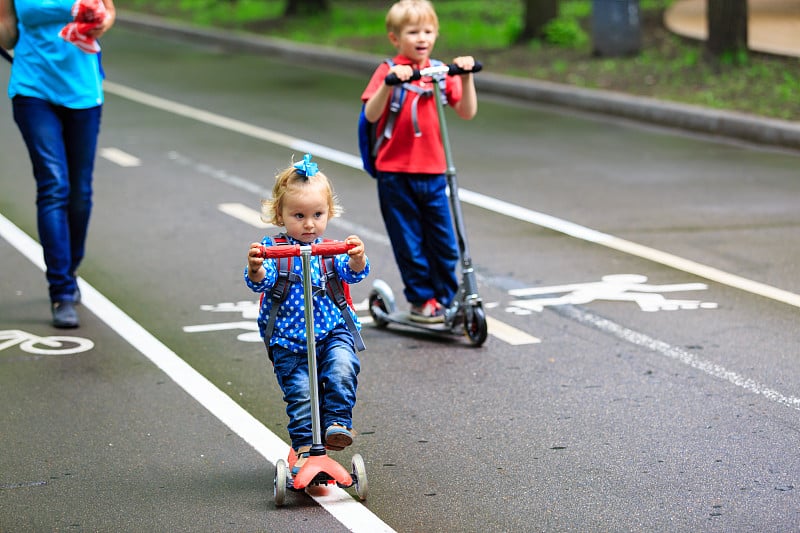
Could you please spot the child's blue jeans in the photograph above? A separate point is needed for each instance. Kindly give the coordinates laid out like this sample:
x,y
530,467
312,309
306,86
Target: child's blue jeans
x,y
416,212
61,143
337,369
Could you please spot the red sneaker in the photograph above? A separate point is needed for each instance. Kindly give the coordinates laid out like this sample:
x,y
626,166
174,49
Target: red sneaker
x,y
429,312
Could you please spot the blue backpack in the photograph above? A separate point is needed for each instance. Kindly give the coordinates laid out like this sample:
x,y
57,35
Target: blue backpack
x,y
370,139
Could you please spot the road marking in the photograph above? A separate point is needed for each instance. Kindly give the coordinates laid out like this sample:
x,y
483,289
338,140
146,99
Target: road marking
x,y
614,287
123,159
510,334
245,214
486,202
352,514
501,330
688,359
51,345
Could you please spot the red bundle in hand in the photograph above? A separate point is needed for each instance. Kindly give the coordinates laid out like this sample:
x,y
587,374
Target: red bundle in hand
x,y
87,14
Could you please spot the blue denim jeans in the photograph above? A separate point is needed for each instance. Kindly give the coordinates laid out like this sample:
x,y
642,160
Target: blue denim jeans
x,y
61,143
337,370
416,212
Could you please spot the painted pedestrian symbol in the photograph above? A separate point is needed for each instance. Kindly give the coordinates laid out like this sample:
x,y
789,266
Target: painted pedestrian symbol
x,y
616,287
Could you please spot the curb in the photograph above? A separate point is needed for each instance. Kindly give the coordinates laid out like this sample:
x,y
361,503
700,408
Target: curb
x,y
729,124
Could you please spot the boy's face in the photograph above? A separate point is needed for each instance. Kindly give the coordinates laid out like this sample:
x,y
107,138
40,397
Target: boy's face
x,y
415,41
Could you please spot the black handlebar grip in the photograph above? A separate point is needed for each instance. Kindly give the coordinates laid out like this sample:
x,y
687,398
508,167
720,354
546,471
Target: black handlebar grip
x,y
454,70
392,79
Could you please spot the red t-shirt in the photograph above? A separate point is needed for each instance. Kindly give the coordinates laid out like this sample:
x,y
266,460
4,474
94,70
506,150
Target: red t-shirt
x,y
405,152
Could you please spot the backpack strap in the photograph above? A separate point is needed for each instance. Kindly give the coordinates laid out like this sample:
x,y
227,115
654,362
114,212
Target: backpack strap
x,y
336,289
398,97
339,292
279,292
441,79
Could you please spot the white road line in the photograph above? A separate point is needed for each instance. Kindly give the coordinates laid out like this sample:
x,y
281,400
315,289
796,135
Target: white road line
x,y
245,214
477,199
510,334
123,159
355,516
501,330
689,359
631,248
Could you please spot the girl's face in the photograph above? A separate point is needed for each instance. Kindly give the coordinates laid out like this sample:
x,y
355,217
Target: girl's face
x,y
415,41
305,212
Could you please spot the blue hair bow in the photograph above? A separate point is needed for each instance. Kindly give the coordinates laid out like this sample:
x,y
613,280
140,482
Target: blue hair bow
x,y
306,167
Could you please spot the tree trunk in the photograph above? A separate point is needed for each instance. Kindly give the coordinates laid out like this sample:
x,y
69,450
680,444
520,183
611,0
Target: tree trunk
x,y
305,7
727,27
537,13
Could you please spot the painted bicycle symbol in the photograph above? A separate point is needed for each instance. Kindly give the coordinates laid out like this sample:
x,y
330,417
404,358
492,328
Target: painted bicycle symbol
x,y
248,310
51,345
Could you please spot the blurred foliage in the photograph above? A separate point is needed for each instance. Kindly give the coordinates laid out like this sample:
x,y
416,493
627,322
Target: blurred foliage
x,y
668,67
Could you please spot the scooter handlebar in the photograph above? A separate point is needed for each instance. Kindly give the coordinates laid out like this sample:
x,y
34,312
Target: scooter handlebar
x,y
293,250
450,70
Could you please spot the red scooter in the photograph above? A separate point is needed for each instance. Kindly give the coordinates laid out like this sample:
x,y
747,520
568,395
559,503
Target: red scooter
x,y
319,468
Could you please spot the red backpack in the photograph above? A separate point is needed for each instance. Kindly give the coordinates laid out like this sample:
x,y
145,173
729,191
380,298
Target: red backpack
x,y
336,289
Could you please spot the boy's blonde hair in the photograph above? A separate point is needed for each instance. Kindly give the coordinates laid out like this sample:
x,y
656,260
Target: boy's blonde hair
x,y
407,12
289,180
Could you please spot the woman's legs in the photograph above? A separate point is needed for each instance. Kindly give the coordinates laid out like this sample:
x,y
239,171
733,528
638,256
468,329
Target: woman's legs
x,y
61,144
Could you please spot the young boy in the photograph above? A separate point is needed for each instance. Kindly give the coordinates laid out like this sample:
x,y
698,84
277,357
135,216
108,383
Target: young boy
x,y
412,187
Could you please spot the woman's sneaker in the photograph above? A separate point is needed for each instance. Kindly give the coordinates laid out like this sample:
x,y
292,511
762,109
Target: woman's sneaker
x,y
430,312
64,315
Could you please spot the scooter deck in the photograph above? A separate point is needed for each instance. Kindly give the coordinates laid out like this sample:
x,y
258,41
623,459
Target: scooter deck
x,y
404,318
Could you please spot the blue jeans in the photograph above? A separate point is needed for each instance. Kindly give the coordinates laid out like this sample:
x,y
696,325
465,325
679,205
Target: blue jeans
x,y
337,369
416,212
61,144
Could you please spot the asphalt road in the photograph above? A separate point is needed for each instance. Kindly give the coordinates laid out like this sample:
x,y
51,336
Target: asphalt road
x,y
663,399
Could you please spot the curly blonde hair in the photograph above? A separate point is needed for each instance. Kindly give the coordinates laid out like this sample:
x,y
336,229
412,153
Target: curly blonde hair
x,y
289,180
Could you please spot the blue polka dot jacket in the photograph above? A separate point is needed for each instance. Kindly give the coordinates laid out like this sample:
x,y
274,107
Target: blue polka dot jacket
x,y
290,326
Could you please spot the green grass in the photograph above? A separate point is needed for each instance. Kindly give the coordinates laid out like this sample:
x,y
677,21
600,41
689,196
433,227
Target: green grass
x,y
668,67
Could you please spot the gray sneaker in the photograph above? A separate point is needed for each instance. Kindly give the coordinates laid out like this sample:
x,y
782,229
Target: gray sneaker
x,y
64,315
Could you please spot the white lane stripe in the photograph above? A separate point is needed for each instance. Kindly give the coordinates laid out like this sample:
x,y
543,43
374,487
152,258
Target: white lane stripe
x,y
245,214
123,159
631,248
501,330
510,334
238,126
477,199
689,359
336,501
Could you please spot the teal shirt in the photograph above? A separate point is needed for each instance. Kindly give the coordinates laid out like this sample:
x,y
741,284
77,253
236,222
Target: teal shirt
x,y
48,67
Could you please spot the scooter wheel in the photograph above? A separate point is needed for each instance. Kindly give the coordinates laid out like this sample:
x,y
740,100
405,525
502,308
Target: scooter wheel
x,y
475,324
281,475
377,309
360,477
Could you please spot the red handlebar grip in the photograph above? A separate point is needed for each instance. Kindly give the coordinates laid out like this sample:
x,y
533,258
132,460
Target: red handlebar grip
x,y
293,250
331,248
284,250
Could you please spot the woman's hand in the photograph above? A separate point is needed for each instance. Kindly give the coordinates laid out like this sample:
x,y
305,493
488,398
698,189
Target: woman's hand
x,y
108,21
8,24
